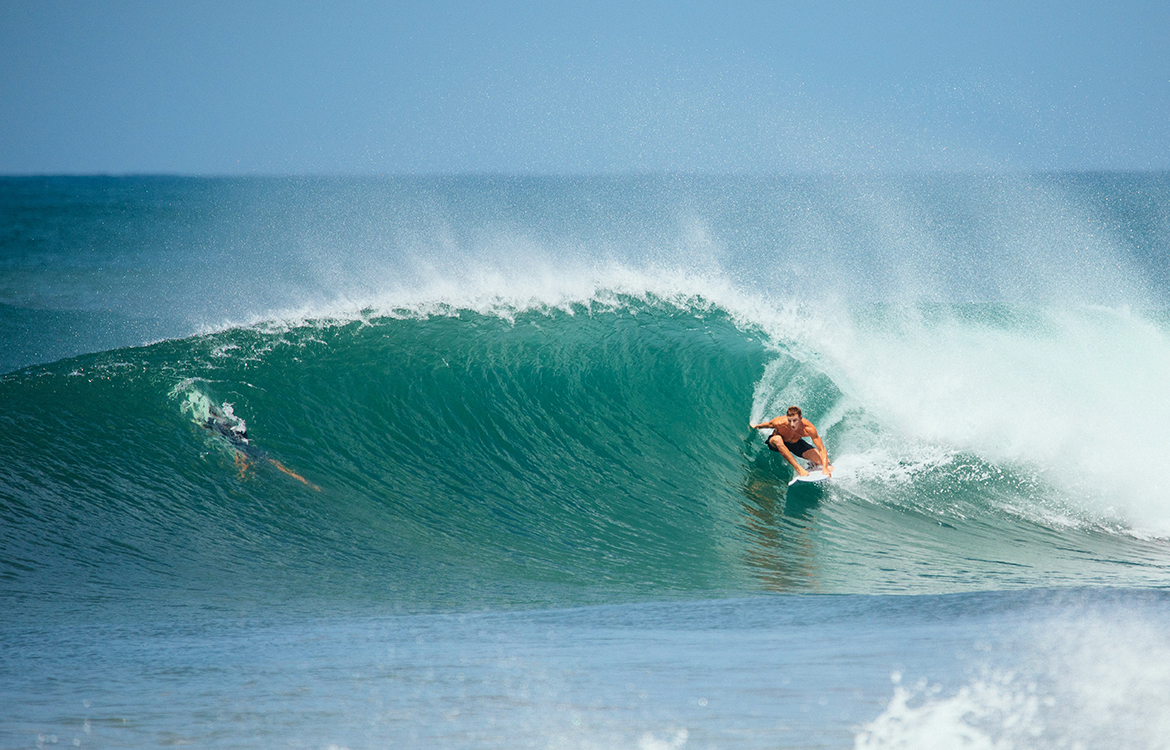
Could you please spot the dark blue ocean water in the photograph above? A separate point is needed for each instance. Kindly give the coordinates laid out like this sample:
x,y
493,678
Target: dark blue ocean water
x,y
499,487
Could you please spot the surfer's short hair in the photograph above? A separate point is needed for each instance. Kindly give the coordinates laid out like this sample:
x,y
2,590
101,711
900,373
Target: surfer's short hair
x,y
794,410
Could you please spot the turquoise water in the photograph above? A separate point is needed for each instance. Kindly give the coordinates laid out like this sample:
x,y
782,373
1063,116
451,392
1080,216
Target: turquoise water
x,y
500,489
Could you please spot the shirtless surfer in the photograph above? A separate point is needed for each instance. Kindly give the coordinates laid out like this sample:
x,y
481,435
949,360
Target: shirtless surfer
x,y
788,439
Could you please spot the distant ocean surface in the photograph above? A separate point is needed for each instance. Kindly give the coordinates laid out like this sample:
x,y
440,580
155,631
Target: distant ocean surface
x,y
499,488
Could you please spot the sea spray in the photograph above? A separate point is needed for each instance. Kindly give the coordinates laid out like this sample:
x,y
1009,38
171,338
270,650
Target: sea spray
x,y
1092,681
532,512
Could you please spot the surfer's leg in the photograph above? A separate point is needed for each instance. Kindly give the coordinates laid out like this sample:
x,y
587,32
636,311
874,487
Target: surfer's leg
x,y
293,474
814,459
242,465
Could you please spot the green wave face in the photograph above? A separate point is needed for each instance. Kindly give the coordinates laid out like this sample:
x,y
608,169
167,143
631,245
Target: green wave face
x,y
457,459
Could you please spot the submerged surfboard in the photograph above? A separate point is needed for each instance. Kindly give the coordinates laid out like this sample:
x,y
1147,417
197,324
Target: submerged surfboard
x,y
814,477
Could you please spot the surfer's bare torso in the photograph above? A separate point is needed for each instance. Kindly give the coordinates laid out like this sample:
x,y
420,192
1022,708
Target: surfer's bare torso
x,y
790,438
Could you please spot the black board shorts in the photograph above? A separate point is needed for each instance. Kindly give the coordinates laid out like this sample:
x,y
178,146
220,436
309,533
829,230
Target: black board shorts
x,y
799,448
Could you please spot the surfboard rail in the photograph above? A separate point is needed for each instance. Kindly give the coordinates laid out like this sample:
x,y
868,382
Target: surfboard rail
x,y
813,477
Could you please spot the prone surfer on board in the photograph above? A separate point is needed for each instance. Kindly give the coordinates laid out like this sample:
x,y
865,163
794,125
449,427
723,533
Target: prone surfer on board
x,y
235,430
788,439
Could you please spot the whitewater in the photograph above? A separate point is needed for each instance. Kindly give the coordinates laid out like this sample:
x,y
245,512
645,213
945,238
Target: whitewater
x,y
499,487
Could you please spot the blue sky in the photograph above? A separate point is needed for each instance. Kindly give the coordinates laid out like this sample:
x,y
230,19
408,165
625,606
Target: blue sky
x,y
526,87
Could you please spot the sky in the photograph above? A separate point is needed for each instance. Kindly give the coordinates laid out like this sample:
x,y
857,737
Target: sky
x,y
241,88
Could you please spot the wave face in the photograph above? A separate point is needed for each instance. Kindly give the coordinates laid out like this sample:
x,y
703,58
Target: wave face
x,y
499,392
595,452
573,447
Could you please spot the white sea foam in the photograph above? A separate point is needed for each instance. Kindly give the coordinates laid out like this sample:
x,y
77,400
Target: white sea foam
x,y
1084,683
508,292
990,713
1073,396
649,741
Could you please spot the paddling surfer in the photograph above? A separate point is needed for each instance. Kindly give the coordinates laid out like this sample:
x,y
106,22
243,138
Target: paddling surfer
x,y
788,439
226,423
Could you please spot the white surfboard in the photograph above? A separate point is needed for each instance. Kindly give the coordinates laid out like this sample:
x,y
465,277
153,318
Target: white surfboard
x,y
814,477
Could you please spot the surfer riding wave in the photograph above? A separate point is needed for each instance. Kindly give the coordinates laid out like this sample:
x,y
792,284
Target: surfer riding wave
x,y
788,438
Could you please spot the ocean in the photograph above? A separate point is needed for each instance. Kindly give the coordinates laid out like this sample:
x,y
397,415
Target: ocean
x,y
466,462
